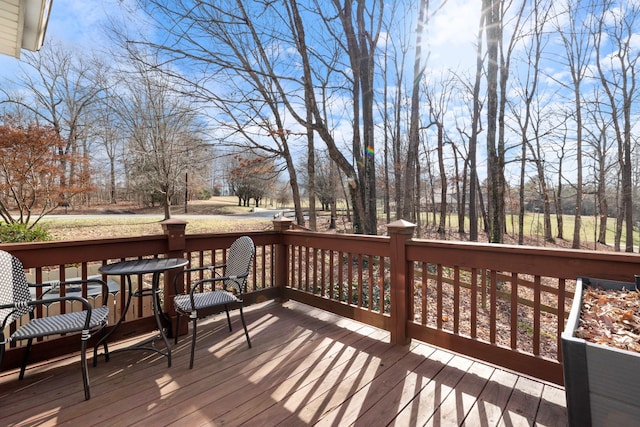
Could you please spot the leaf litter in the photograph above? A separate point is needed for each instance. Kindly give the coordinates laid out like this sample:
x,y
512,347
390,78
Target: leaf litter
x,y
611,317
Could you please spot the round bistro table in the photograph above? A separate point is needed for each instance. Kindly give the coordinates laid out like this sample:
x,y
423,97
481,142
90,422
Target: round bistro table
x,y
155,266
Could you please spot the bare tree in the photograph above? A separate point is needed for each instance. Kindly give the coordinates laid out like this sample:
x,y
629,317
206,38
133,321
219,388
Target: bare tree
x,y
578,46
473,137
614,32
239,60
361,29
164,134
601,145
410,193
495,158
399,49
59,87
394,59
438,97
528,126
108,132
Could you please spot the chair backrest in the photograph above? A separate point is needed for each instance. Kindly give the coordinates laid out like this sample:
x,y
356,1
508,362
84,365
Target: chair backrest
x,y
239,261
14,288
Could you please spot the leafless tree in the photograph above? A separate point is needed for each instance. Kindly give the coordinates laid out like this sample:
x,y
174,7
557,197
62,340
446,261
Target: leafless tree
x,y
438,95
393,62
399,47
108,132
473,137
524,113
614,32
598,138
239,61
495,158
360,28
578,48
163,130
410,193
59,87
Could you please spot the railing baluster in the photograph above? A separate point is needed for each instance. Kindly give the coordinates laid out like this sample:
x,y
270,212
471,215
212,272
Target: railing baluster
x,y
514,310
493,297
560,316
456,300
382,284
332,280
349,278
474,303
439,313
536,315
370,282
360,279
341,257
425,290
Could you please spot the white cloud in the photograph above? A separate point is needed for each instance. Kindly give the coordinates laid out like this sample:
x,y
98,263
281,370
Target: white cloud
x,y
451,35
78,22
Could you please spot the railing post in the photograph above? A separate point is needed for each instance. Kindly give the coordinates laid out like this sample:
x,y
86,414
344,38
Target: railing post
x,y
400,232
281,262
175,230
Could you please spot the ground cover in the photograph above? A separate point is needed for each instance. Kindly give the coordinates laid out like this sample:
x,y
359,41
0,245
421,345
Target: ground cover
x,y
128,219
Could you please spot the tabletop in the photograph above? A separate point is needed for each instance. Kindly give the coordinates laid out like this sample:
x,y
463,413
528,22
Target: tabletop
x,y
143,266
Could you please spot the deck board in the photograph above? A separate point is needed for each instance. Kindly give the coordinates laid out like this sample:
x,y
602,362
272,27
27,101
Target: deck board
x,y
307,366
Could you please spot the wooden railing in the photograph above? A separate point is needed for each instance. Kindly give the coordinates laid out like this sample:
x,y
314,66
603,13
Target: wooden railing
x,y
503,304
52,261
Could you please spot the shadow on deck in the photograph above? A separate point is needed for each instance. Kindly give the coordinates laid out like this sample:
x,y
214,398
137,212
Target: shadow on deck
x,y
307,366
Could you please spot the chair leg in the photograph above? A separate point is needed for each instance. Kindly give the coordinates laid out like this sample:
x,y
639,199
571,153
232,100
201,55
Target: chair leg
x,y
105,349
193,343
244,325
85,369
226,308
177,332
1,349
25,359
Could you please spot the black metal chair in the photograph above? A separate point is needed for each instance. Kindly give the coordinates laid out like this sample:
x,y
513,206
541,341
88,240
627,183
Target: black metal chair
x,y
16,301
202,299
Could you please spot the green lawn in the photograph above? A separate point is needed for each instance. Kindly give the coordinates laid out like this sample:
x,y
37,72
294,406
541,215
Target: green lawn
x,y
533,226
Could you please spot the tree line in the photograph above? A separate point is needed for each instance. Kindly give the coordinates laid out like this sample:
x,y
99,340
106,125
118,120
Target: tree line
x,y
344,98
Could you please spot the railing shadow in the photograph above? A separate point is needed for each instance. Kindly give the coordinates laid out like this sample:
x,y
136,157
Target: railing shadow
x,y
306,366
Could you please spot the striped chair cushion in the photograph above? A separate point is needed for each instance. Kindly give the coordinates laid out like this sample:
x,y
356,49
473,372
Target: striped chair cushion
x,y
61,323
205,299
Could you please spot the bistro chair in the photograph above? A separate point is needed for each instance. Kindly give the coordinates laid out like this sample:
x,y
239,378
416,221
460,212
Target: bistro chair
x,y
202,299
16,301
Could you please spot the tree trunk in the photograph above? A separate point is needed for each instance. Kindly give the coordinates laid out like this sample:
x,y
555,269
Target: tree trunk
x,y
473,140
603,206
494,166
410,195
443,182
311,172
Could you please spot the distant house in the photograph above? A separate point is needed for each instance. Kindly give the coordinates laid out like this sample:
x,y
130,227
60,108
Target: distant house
x,y
23,24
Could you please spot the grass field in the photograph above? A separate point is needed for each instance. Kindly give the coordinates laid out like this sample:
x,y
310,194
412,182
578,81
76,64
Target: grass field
x,y
534,230
125,220
533,226
145,221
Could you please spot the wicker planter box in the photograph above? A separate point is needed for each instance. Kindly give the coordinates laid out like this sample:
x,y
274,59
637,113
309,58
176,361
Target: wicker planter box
x,y
602,383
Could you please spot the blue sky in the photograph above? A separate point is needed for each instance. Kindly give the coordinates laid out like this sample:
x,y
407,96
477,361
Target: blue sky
x,y
80,23
72,22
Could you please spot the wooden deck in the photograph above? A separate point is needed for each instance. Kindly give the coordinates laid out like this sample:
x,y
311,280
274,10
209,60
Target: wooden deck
x,y
306,367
